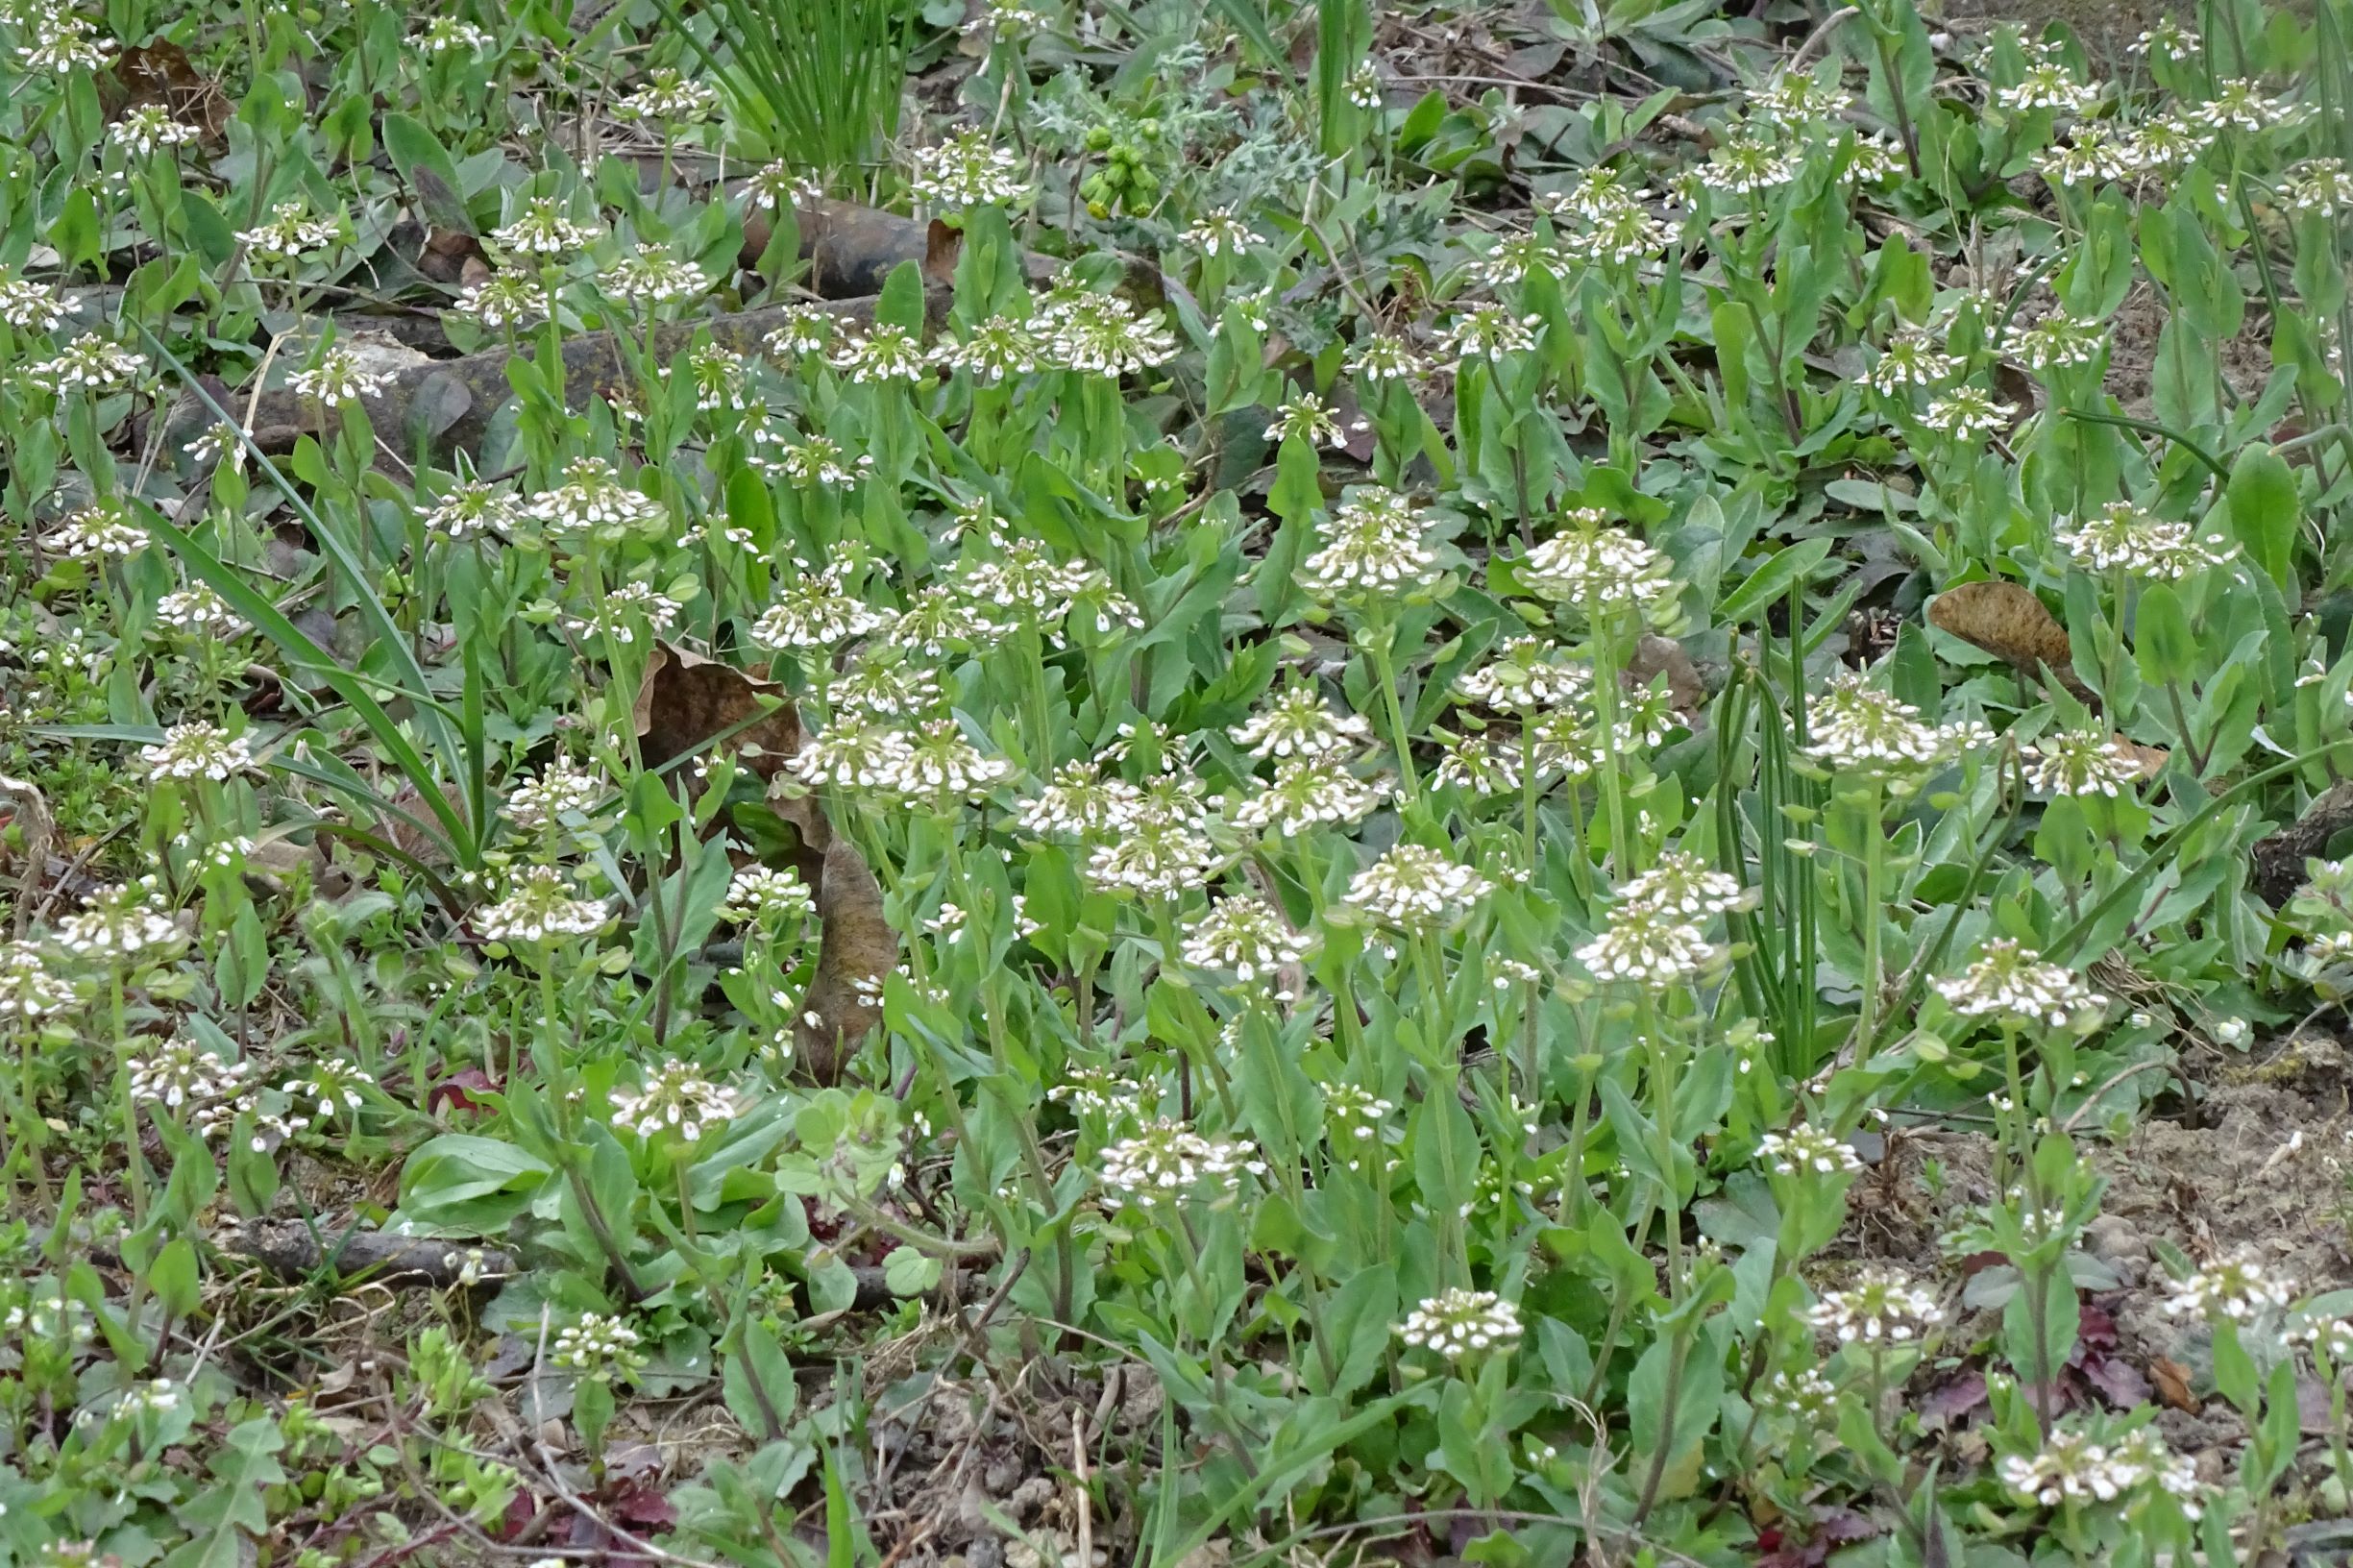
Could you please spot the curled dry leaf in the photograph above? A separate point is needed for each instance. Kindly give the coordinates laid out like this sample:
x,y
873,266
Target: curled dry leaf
x,y
1656,656
2007,620
857,950
686,700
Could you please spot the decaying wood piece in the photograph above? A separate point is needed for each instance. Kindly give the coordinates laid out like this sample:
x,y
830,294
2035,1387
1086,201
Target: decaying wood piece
x,y
453,400
292,1251
2278,868
852,249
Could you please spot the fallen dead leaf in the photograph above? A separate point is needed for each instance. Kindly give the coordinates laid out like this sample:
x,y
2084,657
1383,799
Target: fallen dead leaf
x,y
2172,1381
685,700
857,948
2007,620
2148,761
1656,656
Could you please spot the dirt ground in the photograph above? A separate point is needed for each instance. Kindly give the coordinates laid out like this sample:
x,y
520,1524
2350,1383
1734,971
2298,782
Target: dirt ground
x,y
2261,1172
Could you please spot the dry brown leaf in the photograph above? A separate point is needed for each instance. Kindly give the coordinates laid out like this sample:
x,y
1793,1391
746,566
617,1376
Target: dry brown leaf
x,y
2172,1381
857,948
686,699
2148,761
2007,620
1656,656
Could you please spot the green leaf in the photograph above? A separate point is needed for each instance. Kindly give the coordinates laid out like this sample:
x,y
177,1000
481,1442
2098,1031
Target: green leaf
x,y
901,304
2266,512
1769,582
463,1184
2162,643
909,1271
224,1513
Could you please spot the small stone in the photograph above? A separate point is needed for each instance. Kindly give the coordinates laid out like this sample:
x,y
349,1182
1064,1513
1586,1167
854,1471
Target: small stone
x,y
2112,1240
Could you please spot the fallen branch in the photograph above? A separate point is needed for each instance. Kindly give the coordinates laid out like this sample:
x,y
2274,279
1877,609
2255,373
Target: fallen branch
x,y
294,1251
448,403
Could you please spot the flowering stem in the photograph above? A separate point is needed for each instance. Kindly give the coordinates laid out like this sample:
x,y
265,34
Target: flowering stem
x,y
1379,638
1873,853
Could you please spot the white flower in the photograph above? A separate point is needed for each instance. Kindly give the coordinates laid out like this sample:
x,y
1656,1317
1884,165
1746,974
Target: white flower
x,y
1299,723
1967,411
542,229
1461,1323
1101,335
2236,1287
815,610
1807,1150
1413,887
1857,728
539,907
472,508
2122,537
969,171
885,354
1488,332
1308,792
89,363
28,989
2046,84
198,750
1373,546
1911,359
149,129
289,234
503,300
592,496
761,893
198,610
29,306
1247,938
1685,885
2071,1468
650,274
119,922
340,377
562,790
1881,1306
598,1347
102,529
2080,762
678,1100
1656,948
1168,1162
1596,565
2012,983
1216,231
670,96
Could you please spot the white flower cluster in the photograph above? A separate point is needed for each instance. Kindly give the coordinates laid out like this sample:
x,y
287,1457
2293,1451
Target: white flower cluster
x,y
1807,1150
599,1346
1167,1161
198,611
563,788
198,750
119,922
2122,537
1859,729
1459,1324
1245,937
966,171
1882,1307
2080,762
2073,1467
763,894
89,363
539,907
1597,565
177,1075
1804,1396
28,989
1415,887
2238,1287
1298,722
592,496
2012,983
676,1099
1373,546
